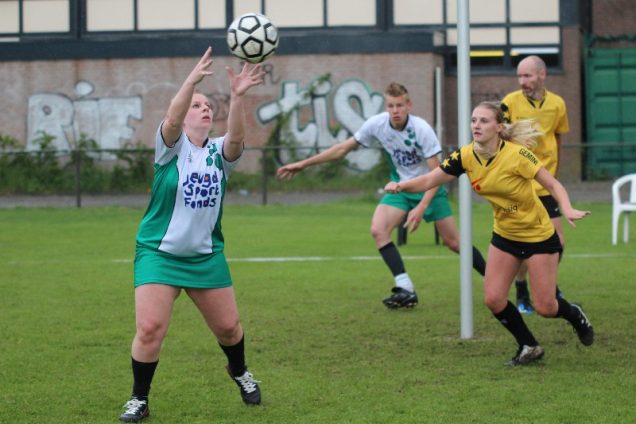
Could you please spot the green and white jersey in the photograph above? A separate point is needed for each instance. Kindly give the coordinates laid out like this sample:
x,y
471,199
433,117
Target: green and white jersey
x,y
186,205
407,150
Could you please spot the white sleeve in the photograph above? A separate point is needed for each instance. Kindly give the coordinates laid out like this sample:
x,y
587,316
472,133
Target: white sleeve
x,y
228,166
163,153
366,133
430,143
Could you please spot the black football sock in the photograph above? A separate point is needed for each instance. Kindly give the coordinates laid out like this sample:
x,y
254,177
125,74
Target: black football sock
x,y
236,357
513,321
143,373
479,264
392,258
522,289
566,311
558,291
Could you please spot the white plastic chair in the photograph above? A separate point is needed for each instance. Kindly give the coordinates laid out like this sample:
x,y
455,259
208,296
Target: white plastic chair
x,y
619,206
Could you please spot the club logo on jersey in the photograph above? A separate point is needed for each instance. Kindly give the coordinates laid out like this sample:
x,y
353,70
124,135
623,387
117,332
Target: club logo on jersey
x,y
475,184
201,190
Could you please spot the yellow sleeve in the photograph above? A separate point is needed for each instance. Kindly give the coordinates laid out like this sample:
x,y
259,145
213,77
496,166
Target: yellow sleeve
x,y
563,125
529,164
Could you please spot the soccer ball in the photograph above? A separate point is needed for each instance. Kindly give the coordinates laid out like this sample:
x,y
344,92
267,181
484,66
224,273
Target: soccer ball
x,y
252,37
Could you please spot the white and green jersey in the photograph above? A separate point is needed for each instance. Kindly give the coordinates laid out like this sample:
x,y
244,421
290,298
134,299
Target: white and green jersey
x,y
407,150
186,205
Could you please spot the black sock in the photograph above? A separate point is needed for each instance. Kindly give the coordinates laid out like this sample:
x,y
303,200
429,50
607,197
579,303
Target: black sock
x,y
512,320
479,264
522,289
236,357
392,258
558,292
566,311
142,375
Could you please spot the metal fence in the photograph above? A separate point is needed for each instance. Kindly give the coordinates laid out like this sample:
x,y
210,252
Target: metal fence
x,y
113,172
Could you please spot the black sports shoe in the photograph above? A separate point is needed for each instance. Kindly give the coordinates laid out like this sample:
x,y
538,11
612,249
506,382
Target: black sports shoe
x,y
525,306
135,410
583,327
401,298
523,298
250,393
526,355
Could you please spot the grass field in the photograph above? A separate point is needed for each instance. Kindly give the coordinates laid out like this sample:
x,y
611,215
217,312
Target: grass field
x,y
317,335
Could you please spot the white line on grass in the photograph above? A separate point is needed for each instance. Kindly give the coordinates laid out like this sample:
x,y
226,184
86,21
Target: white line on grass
x,y
335,258
374,258
331,258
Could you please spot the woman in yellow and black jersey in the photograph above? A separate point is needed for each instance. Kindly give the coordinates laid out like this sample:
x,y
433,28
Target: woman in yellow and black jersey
x,y
503,180
501,168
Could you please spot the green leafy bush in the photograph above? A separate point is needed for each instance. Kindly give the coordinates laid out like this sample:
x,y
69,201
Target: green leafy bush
x,y
49,171
130,170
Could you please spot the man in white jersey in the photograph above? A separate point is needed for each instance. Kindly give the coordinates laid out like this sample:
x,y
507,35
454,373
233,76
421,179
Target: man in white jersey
x,y
413,149
180,243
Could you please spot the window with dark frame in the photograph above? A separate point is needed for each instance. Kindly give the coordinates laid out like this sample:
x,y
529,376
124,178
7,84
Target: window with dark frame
x,y
502,31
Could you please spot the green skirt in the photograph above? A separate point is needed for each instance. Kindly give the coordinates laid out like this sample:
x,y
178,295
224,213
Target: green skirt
x,y
201,272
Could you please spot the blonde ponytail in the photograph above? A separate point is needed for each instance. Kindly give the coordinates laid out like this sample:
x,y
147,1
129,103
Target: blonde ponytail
x,y
523,132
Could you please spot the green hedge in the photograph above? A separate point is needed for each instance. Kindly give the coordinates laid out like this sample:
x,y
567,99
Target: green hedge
x,y
49,171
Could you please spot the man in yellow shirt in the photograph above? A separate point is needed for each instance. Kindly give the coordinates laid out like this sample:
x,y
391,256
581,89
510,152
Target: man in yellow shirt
x,y
548,110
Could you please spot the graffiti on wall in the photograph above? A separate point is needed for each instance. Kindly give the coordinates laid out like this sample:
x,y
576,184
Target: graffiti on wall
x,y
353,103
103,119
335,113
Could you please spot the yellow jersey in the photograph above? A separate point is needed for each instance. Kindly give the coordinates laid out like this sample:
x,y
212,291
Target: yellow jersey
x,y
550,114
505,181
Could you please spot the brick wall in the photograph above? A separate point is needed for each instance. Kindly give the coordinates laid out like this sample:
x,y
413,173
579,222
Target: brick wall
x,y
567,84
613,17
121,101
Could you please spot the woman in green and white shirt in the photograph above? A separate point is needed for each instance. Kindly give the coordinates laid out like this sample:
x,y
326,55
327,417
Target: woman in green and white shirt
x,y
179,242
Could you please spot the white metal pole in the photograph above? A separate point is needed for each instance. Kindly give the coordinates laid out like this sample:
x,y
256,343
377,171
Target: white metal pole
x,y
439,124
465,204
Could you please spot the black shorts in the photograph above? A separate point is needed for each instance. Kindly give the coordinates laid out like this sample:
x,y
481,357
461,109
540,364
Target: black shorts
x,y
524,250
550,204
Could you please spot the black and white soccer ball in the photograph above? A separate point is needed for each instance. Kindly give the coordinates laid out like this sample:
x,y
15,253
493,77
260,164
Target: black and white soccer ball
x,y
252,37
